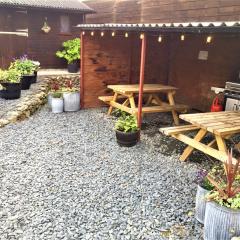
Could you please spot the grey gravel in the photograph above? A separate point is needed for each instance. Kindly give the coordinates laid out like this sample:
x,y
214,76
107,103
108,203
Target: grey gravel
x,y
63,176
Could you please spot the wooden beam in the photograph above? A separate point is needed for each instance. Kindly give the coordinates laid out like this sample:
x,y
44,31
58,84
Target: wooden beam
x,y
81,72
141,80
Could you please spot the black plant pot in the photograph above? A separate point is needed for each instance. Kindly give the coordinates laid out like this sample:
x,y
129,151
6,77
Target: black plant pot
x,y
127,139
34,79
26,81
11,90
73,67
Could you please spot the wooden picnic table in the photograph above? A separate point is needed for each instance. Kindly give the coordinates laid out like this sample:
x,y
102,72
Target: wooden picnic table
x,y
127,93
222,125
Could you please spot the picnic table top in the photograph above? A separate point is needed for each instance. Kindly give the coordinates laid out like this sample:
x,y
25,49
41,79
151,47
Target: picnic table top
x,y
147,88
219,123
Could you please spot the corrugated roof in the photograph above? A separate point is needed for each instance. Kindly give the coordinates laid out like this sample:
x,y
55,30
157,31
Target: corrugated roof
x,y
71,5
168,27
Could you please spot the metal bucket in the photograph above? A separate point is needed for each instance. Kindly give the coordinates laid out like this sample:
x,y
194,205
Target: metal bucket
x,y
200,204
71,101
57,105
221,223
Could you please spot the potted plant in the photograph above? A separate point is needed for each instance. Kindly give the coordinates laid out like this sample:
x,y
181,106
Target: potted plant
x,y
10,84
57,102
222,219
127,131
203,188
37,67
54,88
26,68
71,97
71,53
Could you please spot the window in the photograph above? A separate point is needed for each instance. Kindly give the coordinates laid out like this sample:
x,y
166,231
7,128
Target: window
x,y
65,25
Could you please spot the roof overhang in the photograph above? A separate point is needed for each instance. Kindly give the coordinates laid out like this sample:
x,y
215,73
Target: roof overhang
x,y
187,27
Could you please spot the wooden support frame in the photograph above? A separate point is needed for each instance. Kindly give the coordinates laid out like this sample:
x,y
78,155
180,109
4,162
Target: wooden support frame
x,y
141,80
82,71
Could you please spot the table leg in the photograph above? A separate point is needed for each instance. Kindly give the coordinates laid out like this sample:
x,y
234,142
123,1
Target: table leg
x,y
174,112
111,107
150,97
188,150
221,143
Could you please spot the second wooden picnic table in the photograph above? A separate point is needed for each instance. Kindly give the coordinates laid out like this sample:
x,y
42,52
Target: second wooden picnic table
x,y
124,99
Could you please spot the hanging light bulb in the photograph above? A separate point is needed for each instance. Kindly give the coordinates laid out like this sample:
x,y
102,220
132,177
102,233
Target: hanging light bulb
x,y
160,38
142,36
182,37
92,33
83,33
113,34
209,39
126,35
102,34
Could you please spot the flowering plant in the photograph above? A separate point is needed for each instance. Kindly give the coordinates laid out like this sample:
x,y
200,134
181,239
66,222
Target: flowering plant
x,y
11,76
202,180
24,65
227,191
69,87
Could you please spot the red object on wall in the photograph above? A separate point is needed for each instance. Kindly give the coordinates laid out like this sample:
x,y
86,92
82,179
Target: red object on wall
x,y
216,105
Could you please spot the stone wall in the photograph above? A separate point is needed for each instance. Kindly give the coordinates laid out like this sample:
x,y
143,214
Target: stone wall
x,y
34,98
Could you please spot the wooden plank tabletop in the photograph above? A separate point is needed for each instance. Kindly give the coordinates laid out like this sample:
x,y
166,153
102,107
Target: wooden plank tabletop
x,y
147,88
220,123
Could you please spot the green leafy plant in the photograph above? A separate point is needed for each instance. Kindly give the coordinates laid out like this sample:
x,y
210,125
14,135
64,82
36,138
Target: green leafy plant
x,y
57,95
127,124
11,76
119,113
24,66
227,188
71,51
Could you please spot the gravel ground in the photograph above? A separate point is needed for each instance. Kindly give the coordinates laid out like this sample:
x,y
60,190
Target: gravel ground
x,y
64,177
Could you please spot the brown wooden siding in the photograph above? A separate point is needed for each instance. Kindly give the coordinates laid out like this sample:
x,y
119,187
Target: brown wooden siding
x,y
110,60
147,11
38,45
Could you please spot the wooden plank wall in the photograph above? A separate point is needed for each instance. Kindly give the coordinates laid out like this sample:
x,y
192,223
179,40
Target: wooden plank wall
x,y
171,62
12,46
38,45
147,11
43,47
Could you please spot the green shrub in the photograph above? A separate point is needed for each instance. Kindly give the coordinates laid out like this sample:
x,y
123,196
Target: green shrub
x,y
127,124
71,51
11,76
24,66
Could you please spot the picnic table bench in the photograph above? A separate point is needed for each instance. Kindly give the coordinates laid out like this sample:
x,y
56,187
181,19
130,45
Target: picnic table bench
x,y
222,125
154,104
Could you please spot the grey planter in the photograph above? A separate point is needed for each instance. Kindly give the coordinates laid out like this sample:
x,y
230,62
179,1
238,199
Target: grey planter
x,y
49,99
221,223
200,204
57,105
71,101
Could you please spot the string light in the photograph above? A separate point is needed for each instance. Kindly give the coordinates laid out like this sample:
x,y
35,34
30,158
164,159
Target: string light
x,y
209,39
102,34
160,38
83,33
92,33
126,35
182,37
113,34
142,36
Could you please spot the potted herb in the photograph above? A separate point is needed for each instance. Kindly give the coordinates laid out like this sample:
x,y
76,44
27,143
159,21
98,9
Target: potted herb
x,y
37,67
203,188
26,68
71,53
57,102
10,84
71,98
54,88
127,131
222,219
